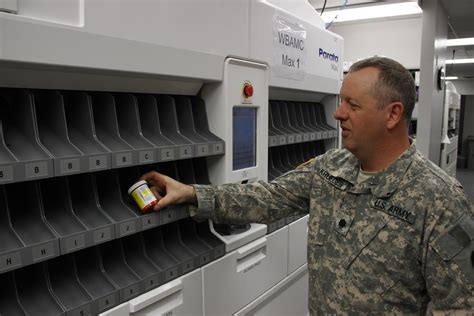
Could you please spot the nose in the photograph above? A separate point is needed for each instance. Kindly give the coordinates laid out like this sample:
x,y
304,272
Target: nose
x,y
340,114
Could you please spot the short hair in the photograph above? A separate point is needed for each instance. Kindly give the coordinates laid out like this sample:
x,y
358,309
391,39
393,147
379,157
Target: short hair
x,y
394,83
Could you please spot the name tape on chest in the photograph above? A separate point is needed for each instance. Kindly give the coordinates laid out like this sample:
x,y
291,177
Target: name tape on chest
x,y
394,210
338,183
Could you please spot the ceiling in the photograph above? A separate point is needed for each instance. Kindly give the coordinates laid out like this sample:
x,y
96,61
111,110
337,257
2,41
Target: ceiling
x,y
460,25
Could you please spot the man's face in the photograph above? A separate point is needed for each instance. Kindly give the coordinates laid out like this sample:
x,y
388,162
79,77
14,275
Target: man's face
x,y
362,121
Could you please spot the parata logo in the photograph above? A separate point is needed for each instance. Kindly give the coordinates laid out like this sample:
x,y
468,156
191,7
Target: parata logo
x,y
329,56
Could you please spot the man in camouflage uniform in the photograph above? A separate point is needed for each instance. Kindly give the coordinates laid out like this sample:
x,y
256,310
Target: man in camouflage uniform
x,y
388,230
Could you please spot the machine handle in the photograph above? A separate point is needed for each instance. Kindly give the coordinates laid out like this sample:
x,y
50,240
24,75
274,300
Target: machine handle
x,y
251,255
163,293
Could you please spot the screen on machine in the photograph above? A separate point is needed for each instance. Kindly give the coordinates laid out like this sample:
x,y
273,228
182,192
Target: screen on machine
x,y
244,143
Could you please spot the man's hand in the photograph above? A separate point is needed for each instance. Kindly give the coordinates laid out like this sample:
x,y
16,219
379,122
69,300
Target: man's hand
x,y
168,191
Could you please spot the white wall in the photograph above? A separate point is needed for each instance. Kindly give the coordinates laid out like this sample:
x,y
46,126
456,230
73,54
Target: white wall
x,y
397,39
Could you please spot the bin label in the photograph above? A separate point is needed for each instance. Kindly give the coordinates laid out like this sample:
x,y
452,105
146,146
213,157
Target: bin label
x,y
202,150
127,228
102,235
75,242
6,173
146,156
167,154
43,252
69,166
186,152
36,169
123,159
9,261
98,162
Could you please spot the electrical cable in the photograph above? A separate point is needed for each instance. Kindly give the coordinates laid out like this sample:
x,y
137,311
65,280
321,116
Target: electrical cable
x,y
340,9
324,7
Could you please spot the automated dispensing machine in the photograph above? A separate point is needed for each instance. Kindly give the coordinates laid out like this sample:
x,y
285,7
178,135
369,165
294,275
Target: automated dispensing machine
x,y
95,93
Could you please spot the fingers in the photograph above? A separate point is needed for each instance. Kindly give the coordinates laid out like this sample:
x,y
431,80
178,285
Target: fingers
x,y
154,178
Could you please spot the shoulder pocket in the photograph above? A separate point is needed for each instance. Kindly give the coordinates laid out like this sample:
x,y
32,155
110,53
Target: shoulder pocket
x,y
457,245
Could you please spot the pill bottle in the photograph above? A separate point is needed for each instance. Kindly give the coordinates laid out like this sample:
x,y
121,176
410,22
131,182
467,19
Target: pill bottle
x,y
142,194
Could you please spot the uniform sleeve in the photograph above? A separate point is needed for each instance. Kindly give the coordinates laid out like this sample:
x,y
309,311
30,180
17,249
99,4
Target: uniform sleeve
x,y
449,262
257,202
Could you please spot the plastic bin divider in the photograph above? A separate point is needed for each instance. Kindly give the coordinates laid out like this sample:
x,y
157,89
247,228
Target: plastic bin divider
x,y
300,153
273,172
310,134
73,234
277,160
311,115
202,126
12,247
283,111
119,271
85,206
66,287
288,112
291,149
53,133
277,118
188,260
127,177
106,126
150,123
9,302
35,293
169,126
27,219
130,129
201,173
136,258
81,131
155,249
92,276
293,116
285,159
186,126
9,166
316,113
126,220
173,212
20,131
204,232
277,134
192,241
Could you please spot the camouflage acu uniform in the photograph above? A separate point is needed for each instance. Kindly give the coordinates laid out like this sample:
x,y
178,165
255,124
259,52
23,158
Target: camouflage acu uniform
x,y
389,244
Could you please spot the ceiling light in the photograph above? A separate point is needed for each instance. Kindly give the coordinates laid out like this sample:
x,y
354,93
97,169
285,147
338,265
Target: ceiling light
x,y
372,12
460,41
460,61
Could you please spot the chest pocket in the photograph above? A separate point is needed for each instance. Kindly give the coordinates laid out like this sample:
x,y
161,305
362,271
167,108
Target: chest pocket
x,y
377,255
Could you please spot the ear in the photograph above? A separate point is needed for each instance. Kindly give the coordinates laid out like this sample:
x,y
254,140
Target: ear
x,y
395,112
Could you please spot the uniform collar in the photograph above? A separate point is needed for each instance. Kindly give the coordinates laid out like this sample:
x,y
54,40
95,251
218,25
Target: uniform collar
x,y
383,184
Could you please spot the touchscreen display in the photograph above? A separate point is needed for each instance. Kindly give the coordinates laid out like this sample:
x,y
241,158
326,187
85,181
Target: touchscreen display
x,y
244,143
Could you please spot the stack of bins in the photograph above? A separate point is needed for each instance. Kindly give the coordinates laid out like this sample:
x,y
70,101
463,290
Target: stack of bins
x,y
73,242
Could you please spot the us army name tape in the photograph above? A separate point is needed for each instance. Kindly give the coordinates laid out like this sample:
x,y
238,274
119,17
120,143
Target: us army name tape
x,y
394,210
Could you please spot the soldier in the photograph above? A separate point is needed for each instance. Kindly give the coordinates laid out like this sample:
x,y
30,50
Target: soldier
x,y
389,231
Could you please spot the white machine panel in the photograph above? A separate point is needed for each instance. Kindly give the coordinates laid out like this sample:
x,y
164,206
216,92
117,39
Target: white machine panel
x,y
289,297
120,310
302,55
182,296
221,101
297,243
237,278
